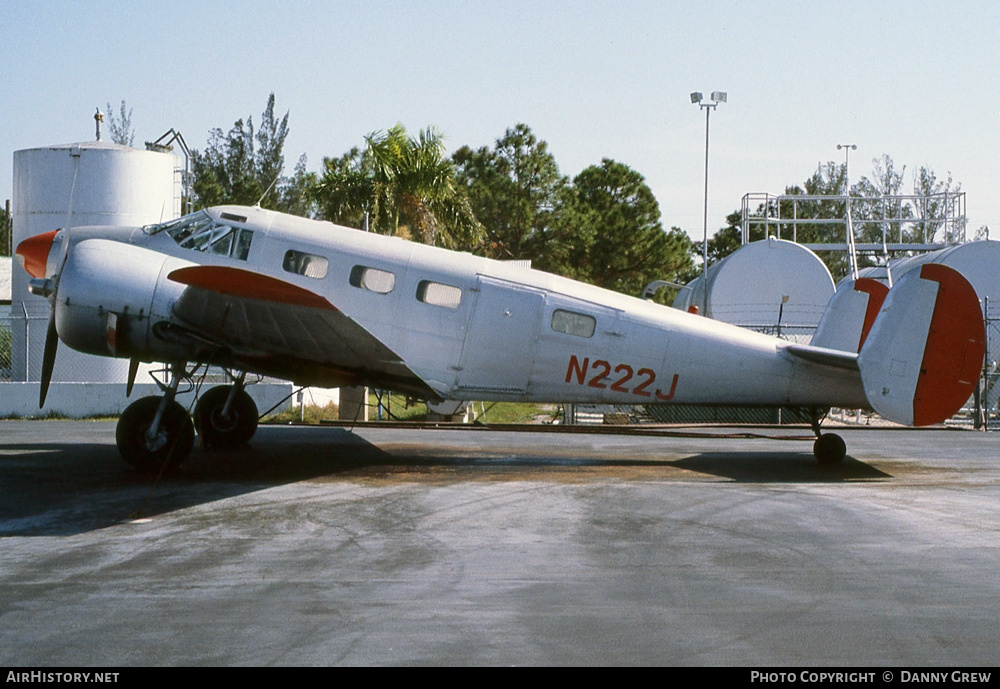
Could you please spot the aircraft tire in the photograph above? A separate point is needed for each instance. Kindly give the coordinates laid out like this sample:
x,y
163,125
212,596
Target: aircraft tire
x,y
173,449
829,448
232,430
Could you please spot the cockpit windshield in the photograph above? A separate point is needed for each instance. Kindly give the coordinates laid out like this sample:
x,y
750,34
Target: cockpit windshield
x,y
199,232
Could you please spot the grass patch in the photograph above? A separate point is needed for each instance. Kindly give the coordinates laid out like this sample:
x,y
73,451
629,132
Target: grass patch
x,y
312,414
400,408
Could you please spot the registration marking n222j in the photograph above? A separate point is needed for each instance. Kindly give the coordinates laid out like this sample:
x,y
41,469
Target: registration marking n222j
x,y
604,375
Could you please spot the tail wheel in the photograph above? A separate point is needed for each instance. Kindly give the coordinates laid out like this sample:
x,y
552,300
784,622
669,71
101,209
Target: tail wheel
x,y
231,429
829,448
167,449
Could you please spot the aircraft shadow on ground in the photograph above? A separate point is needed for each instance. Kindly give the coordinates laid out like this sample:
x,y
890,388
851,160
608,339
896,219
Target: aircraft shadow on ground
x,y
50,489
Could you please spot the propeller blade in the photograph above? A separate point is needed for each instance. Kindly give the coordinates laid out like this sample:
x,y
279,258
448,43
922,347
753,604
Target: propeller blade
x,y
69,215
48,358
51,336
133,368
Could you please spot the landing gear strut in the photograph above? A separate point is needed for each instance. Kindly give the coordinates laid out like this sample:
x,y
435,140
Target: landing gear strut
x,y
156,433
829,448
226,416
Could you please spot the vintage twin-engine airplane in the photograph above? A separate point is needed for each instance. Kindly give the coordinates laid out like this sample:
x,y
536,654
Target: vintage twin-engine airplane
x,y
257,291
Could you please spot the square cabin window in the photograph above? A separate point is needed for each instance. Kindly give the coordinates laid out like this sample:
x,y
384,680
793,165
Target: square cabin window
x,y
372,279
310,265
438,294
572,323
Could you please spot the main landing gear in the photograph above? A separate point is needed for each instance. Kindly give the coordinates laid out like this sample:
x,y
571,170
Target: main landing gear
x,y
226,416
829,448
156,433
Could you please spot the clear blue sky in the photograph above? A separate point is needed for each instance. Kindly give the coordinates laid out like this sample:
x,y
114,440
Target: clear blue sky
x,y
917,80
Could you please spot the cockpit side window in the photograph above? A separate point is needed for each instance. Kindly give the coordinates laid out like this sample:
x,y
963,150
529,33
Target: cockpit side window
x,y
199,232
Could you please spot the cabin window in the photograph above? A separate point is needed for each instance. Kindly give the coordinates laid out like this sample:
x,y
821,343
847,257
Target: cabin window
x,y
439,295
199,232
373,279
571,323
301,263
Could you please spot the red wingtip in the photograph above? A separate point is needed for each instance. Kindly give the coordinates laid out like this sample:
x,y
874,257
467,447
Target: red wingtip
x,y
956,344
33,253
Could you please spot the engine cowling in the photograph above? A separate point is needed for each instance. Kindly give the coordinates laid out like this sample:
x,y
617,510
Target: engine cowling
x,y
110,294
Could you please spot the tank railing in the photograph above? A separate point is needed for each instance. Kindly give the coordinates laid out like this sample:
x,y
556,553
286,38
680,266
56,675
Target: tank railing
x,y
883,224
182,197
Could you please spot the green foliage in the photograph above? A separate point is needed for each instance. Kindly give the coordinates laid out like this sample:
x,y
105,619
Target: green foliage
x,y
240,165
405,185
728,239
5,350
513,190
314,414
121,126
607,232
5,232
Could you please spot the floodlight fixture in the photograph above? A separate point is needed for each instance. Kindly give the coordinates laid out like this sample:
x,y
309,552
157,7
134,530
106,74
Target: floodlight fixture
x,y
719,96
847,148
696,97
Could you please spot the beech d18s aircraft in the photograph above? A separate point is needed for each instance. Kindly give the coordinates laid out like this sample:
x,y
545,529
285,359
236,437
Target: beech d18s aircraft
x,y
255,291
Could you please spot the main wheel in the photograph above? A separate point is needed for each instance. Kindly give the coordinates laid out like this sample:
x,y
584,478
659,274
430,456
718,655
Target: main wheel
x,y
171,445
829,448
225,430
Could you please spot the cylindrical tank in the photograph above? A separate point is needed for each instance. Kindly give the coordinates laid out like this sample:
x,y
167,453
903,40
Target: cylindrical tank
x,y
110,185
978,262
760,282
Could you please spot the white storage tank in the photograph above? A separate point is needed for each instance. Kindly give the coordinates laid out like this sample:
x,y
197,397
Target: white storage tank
x,y
978,262
114,185
759,281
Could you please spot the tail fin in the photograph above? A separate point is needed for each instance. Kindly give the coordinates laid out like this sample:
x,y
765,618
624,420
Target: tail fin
x,y
849,316
921,359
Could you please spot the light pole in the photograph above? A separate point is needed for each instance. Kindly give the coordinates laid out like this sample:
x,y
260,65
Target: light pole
x,y
847,148
696,98
849,224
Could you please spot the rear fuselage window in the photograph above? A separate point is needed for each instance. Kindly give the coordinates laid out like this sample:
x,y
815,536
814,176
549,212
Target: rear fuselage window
x,y
572,323
372,279
438,294
301,263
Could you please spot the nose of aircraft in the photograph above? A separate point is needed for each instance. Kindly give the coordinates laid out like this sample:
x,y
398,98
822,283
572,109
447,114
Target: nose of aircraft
x,y
33,253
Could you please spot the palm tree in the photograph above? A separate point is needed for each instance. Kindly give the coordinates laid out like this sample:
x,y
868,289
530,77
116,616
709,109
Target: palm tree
x,y
405,185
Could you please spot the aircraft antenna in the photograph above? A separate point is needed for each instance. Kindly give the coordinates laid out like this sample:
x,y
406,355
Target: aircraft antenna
x,y
266,191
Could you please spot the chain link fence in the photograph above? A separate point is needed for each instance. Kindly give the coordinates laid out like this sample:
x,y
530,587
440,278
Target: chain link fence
x,y
5,350
991,373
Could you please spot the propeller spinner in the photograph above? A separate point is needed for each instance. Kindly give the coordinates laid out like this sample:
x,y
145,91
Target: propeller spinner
x,y
33,255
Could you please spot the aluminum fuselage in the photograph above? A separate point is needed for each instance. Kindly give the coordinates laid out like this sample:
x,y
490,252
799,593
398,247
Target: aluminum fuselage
x,y
501,331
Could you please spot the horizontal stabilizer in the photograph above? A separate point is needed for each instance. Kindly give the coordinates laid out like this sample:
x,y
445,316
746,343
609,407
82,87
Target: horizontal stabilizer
x,y
921,360
822,355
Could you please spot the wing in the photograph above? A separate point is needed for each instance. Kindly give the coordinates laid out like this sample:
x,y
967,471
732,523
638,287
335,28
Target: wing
x,y
277,328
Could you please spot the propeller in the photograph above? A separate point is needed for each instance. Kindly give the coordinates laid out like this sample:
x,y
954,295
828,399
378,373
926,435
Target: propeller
x,y
51,336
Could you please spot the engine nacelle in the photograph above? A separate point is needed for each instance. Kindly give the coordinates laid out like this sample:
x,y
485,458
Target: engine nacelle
x,y
110,294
